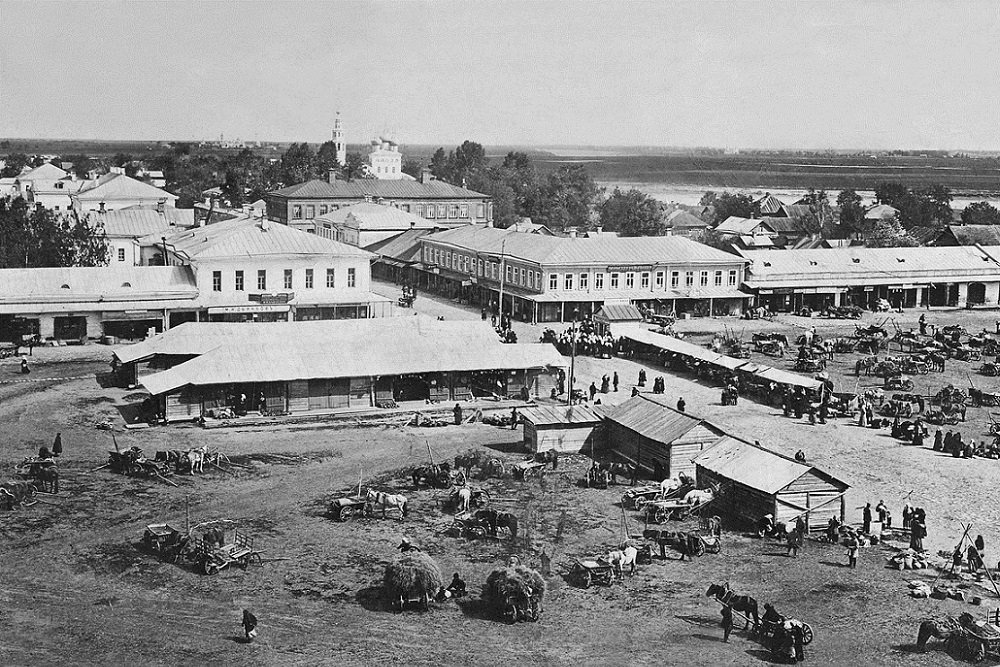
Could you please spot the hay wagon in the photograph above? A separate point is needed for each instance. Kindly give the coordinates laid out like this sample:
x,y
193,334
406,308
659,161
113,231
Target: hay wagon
x,y
586,572
636,497
516,593
348,507
162,539
133,462
238,550
981,399
411,578
524,470
661,511
898,383
469,527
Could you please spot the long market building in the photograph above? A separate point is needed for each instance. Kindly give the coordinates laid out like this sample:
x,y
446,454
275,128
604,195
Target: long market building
x,y
311,367
553,279
788,280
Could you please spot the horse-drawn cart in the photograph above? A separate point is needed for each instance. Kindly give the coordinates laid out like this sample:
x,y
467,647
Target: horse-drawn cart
x,y
347,507
161,538
133,462
637,496
213,557
586,572
8,350
661,511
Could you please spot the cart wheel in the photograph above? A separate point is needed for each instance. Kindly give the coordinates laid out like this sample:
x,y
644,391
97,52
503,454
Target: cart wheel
x,y
661,515
807,633
477,532
209,568
586,580
640,502
484,499
346,514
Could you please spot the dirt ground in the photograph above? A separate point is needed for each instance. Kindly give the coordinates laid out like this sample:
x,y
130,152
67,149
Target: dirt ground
x,y
76,588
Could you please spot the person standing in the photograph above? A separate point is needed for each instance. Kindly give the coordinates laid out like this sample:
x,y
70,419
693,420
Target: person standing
x,y
57,445
866,518
249,625
593,391
681,404
922,322
458,414
642,377
605,383
852,550
614,380
727,622
513,419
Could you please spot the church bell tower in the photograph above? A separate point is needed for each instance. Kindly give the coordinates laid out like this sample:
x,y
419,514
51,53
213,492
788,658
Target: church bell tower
x,y
338,141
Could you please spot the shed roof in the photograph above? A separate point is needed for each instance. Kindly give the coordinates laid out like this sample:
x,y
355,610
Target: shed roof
x,y
404,247
743,226
95,285
784,225
618,312
756,467
285,351
651,418
769,204
560,414
367,216
120,186
681,219
554,250
135,221
880,211
44,172
976,234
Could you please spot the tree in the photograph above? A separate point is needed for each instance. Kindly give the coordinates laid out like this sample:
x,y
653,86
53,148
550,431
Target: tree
x,y
632,213
326,159
927,207
732,204
852,212
439,164
708,199
889,233
980,213
567,197
38,237
82,165
15,163
412,167
298,164
712,238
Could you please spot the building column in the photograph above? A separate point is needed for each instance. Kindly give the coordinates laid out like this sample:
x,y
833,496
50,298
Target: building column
x,y
710,307
963,294
562,311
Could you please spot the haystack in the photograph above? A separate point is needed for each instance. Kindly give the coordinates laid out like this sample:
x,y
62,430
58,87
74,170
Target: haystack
x,y
513,581
411,575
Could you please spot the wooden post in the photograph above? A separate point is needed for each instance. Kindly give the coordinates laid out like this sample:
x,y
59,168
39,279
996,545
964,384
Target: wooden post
x,y
429,453
115,440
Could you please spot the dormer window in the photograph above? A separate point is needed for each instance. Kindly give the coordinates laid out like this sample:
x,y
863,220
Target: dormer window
x,y
64,287
900,260
126,284
767,263
813,263
856,260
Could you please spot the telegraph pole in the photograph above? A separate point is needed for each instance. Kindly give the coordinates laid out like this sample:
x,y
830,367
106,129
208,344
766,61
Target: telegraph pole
x,y
572,359
503,244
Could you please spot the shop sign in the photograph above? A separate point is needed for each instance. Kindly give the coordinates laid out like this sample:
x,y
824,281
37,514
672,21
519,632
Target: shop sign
x,y
236,310
631,267
270,299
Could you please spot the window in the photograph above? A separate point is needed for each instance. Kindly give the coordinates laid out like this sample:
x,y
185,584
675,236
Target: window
x,y
629,280
598,281
121,254
732,278
644,280
689,278
216,281
614,281
351,277
430,211
441,210
568,281
538,280
288,279
310,212
482,271
261,279
493,270
718,278
420,210
309,278
331,278
703,279
453,211
297,212
463,211
322,209
553,281
239,281
675,278
508,273
447,259
405,207
659,279
480,210
584,280
524,273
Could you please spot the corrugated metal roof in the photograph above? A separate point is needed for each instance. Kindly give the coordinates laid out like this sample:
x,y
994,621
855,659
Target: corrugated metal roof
x,y
553,250
560,414
784,225
752,466
132,222
284,351
120,186
683,220
375,217
405,246
94,285
744,226
369,187
856,265
618,312
769,204
245,237
650,418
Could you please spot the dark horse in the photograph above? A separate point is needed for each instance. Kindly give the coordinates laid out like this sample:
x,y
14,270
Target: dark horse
x,y
497,519
744,604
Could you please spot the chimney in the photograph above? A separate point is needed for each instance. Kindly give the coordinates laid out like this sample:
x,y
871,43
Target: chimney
x,y
160,204
426,176
572,233
247,210
599,229
263,224
101,210
331,175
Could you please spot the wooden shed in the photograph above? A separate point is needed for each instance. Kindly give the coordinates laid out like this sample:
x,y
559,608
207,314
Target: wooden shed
x,y
755,481
661,440
615,313
564,428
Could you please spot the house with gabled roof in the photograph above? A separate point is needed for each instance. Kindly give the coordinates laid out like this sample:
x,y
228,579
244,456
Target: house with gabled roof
x,y
114,191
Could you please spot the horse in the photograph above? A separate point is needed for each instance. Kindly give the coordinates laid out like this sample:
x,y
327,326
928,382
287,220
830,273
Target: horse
x,y
388,501
495,520
621,558
698,497
670,485
744,604
48,479
493,467
713,525
618,468
196,459
463,497
468,460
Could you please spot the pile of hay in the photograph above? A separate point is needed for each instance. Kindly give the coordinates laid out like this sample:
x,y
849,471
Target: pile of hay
x,y
410,575
513,581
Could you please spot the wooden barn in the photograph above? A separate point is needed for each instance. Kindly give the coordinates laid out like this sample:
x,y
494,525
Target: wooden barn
x,y
661,440
615,313
755,481
564,428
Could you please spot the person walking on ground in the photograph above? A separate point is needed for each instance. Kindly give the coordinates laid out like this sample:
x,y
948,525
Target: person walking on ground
x,y
57,445
727,622
249,625
614,381
681,404
458,414
605,382
852,550
642,377
792,539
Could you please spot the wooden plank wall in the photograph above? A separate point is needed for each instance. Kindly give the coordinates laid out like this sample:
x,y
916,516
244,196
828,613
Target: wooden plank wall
x,y
298,396
577,438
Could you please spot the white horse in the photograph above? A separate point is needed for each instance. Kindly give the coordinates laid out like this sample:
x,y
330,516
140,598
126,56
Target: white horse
x,y
196,458
464,495
621,558
698,497
670,485
387,501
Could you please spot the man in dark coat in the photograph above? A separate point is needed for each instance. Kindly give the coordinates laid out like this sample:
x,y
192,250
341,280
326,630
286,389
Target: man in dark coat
x,y
249,625
681,404
727,621
57,445
614,380
458,414
642,377
866,519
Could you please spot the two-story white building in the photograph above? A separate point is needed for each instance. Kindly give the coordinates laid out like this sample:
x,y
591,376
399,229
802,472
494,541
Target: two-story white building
x,y
114,191
47,186
252,270
551,279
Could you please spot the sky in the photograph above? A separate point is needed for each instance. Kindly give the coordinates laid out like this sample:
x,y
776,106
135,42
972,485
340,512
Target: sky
x,y
879,75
